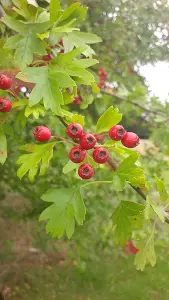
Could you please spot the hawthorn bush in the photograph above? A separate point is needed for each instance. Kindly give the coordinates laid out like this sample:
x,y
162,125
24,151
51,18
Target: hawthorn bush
x,y
48,78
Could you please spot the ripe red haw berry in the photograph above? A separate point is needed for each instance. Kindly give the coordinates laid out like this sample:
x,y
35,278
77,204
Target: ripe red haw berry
x,y
87,141
42,133
130,140
49,56
101,155
86,171
74,130
77,155
5,82
117,132
5,105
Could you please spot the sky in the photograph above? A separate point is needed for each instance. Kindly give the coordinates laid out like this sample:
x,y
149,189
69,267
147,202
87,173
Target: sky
x,y
157,77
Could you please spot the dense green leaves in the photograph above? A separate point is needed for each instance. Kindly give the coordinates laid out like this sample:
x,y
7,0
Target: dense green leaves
x,y
3,147
110,118
38,157
122,220
146,253
67,207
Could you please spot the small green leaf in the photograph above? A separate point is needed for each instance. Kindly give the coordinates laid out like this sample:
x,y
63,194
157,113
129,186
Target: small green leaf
x,y
3,147
110,118
70,166
129,172
158,209
122,220
55,10
68,206
161,189
30,162
146,253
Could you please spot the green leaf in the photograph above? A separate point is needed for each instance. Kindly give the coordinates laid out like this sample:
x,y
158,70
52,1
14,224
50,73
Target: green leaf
x,y
70,166
110,118
158,209
128,171
74,11
122,220
35,111
161,189
81,38
48,83
68,206
3,147
55,10
72,118
40,154
27,42
146,253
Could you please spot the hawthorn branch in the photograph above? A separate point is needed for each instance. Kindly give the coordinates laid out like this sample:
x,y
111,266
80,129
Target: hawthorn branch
x,y
113,166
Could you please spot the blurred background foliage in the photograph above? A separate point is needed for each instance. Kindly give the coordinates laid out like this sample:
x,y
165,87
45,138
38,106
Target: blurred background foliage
x,y
134,33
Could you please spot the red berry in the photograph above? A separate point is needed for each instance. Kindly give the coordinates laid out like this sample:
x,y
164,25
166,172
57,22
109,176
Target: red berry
x,y
77,155
49,56
74,130
130,140
86,171
5,82
117,132
87,141
42,133
101,155
5,105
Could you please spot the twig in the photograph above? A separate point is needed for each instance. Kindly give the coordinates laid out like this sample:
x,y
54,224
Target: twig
x,y
152,111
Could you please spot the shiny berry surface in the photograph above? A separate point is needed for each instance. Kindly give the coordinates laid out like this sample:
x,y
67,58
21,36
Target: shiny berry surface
x,y
5,82
101,155
117,132
74,130
130,140
42,133
77,155
5,105
87,141
86,171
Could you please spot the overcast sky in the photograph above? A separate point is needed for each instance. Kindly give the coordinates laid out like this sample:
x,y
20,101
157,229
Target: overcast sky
x,y
158,79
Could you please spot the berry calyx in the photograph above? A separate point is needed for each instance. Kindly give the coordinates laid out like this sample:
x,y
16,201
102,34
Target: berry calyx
x,y
74,130
5,82
77,155
117,132
130,140
86,171
87,141
42,133
101,155
49,56
5,105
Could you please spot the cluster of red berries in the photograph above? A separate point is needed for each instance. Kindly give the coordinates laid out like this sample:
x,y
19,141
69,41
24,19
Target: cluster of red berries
x,y
130,248
5,84
103,76
87,141
128,139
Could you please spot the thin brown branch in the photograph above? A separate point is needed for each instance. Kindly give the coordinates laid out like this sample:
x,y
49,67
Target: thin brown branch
x,y
152,111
